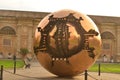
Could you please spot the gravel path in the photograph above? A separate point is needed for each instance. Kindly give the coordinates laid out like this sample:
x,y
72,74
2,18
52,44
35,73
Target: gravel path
x,y
37,72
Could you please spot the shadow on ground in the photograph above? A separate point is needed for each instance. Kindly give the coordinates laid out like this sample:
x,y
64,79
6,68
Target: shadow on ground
x,y
56,78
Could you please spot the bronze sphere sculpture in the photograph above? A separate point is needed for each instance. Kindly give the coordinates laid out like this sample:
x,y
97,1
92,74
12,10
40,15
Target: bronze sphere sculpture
x,y
67,43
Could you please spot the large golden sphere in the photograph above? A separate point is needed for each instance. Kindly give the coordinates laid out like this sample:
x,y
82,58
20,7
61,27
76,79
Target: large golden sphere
x,y
67,43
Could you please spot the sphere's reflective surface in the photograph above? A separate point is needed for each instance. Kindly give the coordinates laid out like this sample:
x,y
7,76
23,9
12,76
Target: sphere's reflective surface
x,y
67,43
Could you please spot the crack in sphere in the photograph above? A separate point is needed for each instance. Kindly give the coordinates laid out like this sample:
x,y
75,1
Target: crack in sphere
x,y
67,43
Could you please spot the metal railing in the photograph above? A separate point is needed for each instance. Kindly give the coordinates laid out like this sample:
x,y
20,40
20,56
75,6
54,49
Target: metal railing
x,y
85,74
1,73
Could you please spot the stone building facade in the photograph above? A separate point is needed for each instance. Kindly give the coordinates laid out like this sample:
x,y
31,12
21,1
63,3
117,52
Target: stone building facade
x,y
17,31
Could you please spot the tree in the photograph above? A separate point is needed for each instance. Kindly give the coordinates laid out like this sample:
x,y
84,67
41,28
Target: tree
x,y
24,51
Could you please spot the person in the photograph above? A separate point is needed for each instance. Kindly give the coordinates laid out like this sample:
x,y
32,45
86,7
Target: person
x,y
1,55
9,56
104,58
27,62
111,59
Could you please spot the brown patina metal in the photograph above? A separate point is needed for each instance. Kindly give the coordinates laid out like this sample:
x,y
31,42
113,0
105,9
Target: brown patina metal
x,y
67,43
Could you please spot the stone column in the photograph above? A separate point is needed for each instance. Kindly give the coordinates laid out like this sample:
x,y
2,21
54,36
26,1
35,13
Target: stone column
x,y
18,37
118,40
30,39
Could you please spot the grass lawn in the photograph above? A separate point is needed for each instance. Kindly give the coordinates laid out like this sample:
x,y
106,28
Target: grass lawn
x,y
9,63
106,67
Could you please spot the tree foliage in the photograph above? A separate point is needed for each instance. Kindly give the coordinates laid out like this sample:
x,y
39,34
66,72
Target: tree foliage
x,y
24,51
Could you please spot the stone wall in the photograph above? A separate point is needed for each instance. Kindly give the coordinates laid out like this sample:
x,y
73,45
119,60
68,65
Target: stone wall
x,y
24,23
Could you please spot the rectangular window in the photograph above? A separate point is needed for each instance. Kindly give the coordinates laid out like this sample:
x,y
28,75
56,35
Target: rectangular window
x,y
106,46
7,42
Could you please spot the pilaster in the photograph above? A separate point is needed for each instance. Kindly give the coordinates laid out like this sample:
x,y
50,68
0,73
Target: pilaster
x,y
118,40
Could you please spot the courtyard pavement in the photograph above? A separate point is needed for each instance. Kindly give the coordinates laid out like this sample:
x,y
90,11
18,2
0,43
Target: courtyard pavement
x,y
37,72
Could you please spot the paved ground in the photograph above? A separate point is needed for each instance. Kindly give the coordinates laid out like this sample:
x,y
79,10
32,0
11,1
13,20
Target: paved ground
x,y
38,73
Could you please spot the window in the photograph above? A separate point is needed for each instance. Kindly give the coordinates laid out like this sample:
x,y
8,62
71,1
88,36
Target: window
x,y
106,46
7,31
107,35
7,42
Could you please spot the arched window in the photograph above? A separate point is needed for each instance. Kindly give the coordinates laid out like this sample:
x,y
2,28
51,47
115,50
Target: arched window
x,y
107,35
7,31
